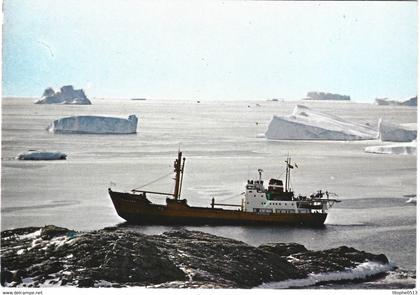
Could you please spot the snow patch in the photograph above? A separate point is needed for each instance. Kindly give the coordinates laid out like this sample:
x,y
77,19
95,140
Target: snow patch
x,y
103,284
95,125
307,124
399,133
409,148
362,271
27,281
41,155
33,235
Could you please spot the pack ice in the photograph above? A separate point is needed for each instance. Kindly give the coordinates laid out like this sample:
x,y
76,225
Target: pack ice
x,y
41,155
399,133
94,124
307,124
66,95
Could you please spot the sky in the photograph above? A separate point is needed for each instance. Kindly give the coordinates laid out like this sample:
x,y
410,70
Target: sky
x,y
209,49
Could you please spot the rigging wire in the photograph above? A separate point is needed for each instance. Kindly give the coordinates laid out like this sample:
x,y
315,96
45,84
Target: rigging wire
x,y
232,197
153,181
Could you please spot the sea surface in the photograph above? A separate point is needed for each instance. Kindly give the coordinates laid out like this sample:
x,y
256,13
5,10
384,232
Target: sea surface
x,y
220,141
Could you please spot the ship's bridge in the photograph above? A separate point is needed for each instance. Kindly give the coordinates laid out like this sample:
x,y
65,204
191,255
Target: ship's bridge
x,y
257,185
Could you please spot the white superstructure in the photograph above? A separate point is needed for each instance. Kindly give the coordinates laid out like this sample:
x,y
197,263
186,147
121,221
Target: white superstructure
x,y
279,198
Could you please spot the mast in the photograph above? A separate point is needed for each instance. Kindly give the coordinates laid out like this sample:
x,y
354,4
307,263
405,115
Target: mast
x,y
182,176
287,173
177,170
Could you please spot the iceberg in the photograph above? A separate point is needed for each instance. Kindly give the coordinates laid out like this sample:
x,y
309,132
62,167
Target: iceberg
x,y
406,148
307,124
313,95
411,102
94,124
66,95
41,155
399,133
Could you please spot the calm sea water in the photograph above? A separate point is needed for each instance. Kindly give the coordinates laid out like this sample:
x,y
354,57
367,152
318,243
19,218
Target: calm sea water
x,y
220,142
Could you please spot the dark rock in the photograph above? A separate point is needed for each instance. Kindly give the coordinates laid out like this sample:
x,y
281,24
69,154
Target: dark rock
x,y
6,277
179,258
50,231
283,249
336,259
226,259
85,283
52,267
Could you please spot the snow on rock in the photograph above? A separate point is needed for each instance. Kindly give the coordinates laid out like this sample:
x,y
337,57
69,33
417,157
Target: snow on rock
x,y
411,102
116,257
313,95
66,95
406,148
307,124
360,272
41,155
399,133
94,124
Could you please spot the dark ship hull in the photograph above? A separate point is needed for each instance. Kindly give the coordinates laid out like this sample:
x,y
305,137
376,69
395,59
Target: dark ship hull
x,y
137,209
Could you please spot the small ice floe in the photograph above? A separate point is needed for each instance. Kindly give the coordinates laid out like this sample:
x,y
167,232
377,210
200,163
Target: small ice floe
x,y
397,133
307,124
41,155
362,271
409,148
94,125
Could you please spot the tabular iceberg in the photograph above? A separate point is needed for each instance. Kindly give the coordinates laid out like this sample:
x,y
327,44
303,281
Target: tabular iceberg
x,y
314,95
408,148
41,155
66,95
95,125
399,133
307,124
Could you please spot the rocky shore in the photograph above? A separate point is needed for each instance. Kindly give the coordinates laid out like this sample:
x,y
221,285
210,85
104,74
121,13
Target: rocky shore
x,y
118,257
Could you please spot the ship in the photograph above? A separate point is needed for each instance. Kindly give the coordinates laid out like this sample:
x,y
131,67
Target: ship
x,y
275,205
